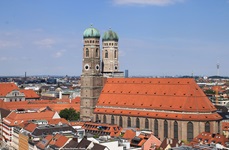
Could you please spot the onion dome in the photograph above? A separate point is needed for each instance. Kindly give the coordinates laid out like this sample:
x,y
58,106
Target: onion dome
x,y
91,33
110,36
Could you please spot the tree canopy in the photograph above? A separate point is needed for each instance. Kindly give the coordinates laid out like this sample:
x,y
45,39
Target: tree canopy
x,y
69,114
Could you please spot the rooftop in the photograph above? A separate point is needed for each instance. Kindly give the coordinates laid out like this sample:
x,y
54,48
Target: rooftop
x,y
156,97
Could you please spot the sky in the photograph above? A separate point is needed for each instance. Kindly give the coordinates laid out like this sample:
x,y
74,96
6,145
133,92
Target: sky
x,y
156,37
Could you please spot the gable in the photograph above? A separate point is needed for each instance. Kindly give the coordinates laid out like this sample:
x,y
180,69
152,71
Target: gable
x,y
15,93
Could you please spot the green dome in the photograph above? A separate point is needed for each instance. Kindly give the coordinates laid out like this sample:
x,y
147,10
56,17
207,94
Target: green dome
x,y
110,36
91,33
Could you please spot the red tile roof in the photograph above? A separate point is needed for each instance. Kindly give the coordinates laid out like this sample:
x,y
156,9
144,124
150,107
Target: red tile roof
x,y
154,95
30,127
225,126
44,142
102,128
2,104
129,134
156,114
76,123
13,119
57,121
207,138
7,87
141,139
55,105
30,94
58,140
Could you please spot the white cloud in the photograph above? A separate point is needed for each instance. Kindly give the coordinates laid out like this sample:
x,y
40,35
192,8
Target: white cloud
x,y
6,58
48,42
59,54
146,2
7,43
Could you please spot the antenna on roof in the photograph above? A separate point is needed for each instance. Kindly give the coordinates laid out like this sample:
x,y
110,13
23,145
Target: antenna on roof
x,y
25,78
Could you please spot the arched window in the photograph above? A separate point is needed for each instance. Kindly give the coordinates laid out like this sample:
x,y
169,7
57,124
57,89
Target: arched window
x,y
156,127
147,123
207,127
106,54
120,121
97,118
165,128
112,119
104,119
189,131
115,54
137,123
97,52
175,130
129,122
87,52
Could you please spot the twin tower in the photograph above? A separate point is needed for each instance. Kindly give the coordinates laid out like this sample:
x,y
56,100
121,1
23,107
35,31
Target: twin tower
x,y
94,70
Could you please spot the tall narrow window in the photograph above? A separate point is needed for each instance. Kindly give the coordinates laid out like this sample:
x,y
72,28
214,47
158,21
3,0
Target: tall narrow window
x,y
97,52
97,118
112,119
137,123
120,121
104,119
175,130
87,52
156,127
129,122
207,127
106,54
189,131
115,54
165,129
147,123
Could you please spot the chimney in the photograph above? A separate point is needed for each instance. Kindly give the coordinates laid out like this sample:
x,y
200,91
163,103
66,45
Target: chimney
x,y
60,94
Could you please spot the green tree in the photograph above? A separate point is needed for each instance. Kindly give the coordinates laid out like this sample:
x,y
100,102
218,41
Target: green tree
x,y
70,114
209,92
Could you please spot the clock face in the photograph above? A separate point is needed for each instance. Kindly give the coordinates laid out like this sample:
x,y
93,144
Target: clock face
x,y
97,67
86,67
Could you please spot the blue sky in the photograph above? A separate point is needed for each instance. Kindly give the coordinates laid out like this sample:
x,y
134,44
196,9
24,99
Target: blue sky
x,y
156,37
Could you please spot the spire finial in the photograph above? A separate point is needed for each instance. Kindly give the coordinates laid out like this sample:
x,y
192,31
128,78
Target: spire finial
x,y
91,24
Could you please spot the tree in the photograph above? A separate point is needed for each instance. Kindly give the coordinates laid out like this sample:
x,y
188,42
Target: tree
x,y
69,114
209,92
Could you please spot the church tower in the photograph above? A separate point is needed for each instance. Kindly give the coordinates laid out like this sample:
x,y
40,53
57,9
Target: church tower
x,y
91,78
110,64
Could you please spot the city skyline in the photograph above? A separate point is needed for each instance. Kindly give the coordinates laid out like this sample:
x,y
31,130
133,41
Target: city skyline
x,y
156,37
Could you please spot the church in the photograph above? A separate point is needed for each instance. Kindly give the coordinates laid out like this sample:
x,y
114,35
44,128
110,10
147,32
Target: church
x,y
170,107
